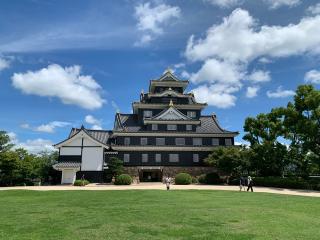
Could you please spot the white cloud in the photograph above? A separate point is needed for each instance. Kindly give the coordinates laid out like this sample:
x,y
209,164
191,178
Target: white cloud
x,y
273,4
264,60
96,123
259,76
252,92
115,106
214,70
216,95
152,19
47,128
312,76
228,48
67,84
225,3
280,93
33,146
314,9
4,63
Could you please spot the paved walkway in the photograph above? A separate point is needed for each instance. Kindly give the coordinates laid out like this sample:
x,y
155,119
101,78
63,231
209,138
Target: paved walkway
x,y
160,186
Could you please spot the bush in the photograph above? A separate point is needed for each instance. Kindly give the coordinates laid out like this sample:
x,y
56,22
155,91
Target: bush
x,y
194,180
183,179
80,182
210,178
123,179
294,183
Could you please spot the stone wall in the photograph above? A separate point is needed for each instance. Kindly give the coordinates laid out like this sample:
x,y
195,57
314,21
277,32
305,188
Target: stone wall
x,y
168,171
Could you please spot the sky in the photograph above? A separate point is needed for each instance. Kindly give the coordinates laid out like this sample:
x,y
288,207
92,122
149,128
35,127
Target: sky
x,y
65,63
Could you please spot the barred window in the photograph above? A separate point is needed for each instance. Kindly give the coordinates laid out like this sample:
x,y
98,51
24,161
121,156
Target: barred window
x,y
145,157
147,113
191,114
160,141
126,141
158,157
197,141
215,141
228,142
189,127
173,157
171,127
154,127
195,157
126,157
180,141
144,141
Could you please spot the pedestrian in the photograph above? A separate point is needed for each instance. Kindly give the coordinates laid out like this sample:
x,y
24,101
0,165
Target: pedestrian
x,y
168,181
242,183
250,184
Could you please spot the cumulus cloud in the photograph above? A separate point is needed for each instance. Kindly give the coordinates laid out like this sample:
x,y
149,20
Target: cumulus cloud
x,y
280,93
273,4
228,48
312,76
259,76
218,95
225,3
47,128
4,63
314,9
152,19
67,84
96,123
34,146
252,92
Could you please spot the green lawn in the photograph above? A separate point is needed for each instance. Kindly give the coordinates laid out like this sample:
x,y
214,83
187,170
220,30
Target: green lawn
x,y
154,214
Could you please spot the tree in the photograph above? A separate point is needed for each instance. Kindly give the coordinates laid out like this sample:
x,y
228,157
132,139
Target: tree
x,y
115,168
231,160
5,144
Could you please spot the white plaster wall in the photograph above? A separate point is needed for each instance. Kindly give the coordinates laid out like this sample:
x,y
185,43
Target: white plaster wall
x,y
88,142
92,159
75,142
70,151
68,176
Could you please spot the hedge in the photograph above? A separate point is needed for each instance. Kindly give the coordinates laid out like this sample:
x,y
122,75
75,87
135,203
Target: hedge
x,y
183,179
123,179
80,182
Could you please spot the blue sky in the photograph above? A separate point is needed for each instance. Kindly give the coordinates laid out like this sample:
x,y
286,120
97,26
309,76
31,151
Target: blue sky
x,y
67,63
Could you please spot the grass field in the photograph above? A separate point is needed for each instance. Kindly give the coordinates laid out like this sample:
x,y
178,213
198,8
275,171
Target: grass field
x,y
153,214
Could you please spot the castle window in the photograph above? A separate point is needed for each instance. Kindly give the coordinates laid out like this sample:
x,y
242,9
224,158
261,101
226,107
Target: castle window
x,y
171,127
158,157
154,127
173,157
145,157
180,141
228,142
126,157
215,142
126,141
160,141
197,141
189,127
191,114
144,141
195,157
147,113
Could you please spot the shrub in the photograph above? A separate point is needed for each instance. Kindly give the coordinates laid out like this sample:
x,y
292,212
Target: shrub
x,y
123,179
183,179
295,183
80,182
210,178
202,178
194,180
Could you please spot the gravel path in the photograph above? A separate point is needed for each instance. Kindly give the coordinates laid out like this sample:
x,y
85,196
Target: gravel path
x,y
160,186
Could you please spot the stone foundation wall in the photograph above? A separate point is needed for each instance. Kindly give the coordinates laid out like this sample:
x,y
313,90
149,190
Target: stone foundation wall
x,y
168,171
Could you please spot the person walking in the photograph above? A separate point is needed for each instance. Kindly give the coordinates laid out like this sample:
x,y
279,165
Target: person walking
x,y
242,183
168,181
250,184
